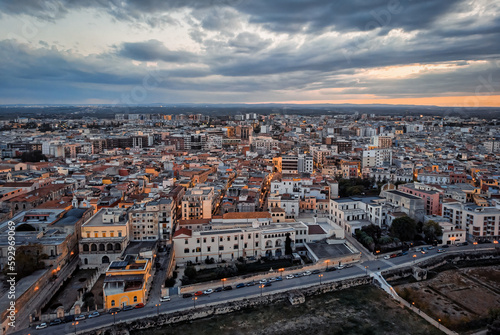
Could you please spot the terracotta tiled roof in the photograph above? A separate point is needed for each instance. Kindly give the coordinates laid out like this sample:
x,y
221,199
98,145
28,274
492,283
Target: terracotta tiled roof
x,y
183,231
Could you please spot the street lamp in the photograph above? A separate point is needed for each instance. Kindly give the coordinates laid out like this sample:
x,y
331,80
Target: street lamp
x,y
158,309
194,301
114,317
74,324
223,280
320,278
414,258
327,261
261,287
475,243
366,270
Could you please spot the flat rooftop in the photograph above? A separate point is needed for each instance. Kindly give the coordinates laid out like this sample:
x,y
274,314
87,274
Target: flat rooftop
x,y
324,250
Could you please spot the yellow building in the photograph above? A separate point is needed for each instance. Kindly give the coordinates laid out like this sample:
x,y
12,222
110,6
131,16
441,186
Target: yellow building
x,y
127,282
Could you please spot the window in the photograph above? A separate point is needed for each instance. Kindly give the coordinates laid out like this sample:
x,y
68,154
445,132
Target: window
x,y
185,241
235,238
198,249
235,247
186,250
256,244
221,247
112,302
209,249
213,239
135,298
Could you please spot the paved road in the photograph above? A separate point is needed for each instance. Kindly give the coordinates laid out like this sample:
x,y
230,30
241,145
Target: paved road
x,y
178,303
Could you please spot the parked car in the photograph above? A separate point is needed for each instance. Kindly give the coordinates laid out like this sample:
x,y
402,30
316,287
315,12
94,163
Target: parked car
x,y
267,284
346,266
252,283
94,315
440,250
42,326
198,293
387,257
165,298
127,308
139,305
218,289
340,267
187,295
430,248
290,277
240,285
114,310
55,322
297,275
227,288
263,281
394,255
307,273
331,269
273,279
418,249
315,272
79,317
209,291
405,253
279,278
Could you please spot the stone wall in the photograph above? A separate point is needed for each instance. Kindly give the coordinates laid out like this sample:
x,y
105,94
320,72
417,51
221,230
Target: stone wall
x,y
226,307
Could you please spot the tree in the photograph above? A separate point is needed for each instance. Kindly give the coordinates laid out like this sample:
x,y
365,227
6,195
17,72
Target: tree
x,y
404,228
33,156
288,244
190,272
432,230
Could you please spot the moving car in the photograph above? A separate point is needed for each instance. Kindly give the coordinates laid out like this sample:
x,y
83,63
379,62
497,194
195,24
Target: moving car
x,y
209,291
139,305
55,322
79,317
94,315
440,250
165,298
42,326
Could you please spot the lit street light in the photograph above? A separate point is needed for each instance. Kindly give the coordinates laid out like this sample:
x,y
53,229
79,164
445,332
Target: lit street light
x,y
261,287
414,258
327,261
194,301
366,270
158,309
320,278
74,324
223,280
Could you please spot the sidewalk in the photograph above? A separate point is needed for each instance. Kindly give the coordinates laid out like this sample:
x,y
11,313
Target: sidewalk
x,y
365,254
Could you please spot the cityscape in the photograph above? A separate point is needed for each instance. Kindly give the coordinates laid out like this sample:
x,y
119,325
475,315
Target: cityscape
x,y
236,167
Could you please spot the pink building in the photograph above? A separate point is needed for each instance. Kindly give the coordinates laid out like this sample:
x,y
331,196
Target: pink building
x,y
429,194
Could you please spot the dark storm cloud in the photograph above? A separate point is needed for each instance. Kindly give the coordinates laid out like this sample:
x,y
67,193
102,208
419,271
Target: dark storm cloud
x,y
154,50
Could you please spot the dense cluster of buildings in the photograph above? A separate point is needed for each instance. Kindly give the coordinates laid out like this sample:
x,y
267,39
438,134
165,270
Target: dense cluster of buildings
x,y
247,186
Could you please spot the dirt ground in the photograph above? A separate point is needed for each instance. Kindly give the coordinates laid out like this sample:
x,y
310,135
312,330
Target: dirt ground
x,y
361,310
458,297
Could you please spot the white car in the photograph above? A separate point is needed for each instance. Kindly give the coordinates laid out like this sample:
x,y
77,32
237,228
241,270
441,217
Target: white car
x,y
80,317
94,315
209,291
165,298
290,277
387,257
307,273
263,281
42,326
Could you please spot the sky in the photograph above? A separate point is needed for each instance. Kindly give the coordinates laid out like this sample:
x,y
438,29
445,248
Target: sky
x,y
421,52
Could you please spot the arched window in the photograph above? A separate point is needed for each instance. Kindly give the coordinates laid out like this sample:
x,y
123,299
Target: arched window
x,y
118,247
109,247
102,247
112,302
135,298
93,247
85,261
105,259
85,247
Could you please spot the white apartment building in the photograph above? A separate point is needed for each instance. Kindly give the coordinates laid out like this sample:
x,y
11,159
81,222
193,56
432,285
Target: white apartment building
x,y
353,213
232,239
305,164
377,158
434,178
197,203
477,222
